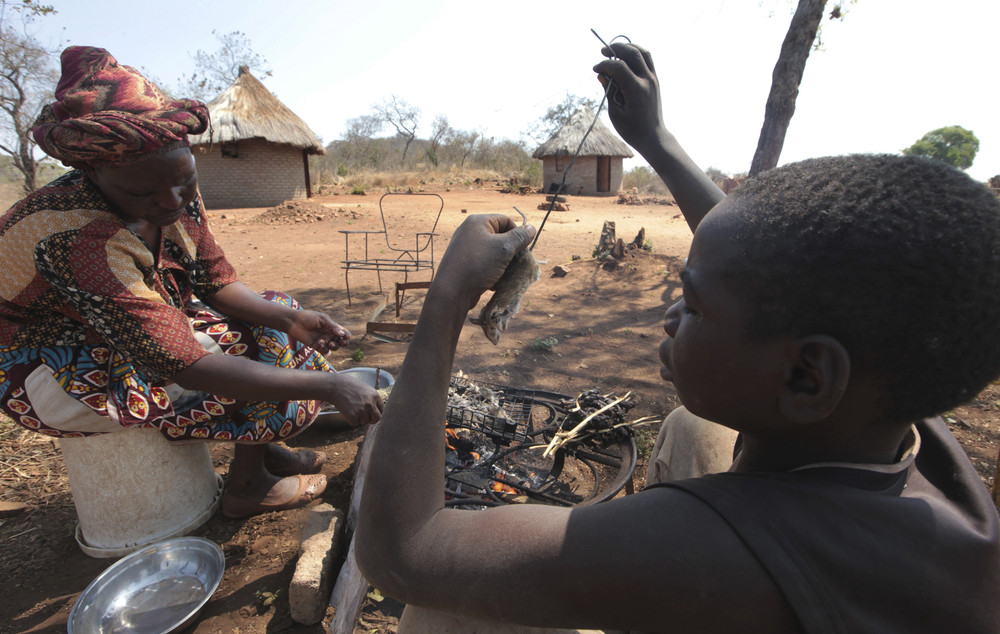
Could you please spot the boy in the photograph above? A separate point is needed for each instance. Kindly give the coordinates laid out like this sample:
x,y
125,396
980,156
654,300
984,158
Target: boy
x,y
805,326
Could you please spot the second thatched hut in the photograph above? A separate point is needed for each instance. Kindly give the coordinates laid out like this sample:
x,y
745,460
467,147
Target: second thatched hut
x,y
598,168
256,151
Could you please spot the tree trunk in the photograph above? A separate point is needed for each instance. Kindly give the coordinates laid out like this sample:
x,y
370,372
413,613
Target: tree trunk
x,y
785,83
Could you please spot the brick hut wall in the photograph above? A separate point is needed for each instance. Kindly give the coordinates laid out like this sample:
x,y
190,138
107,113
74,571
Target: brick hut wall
x,y
582,179
261,175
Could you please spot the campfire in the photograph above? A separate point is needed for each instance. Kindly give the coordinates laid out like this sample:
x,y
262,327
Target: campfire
x,y
509,445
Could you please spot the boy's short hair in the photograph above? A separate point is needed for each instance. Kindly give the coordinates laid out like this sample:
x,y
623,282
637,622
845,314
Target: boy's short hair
x,y
897,257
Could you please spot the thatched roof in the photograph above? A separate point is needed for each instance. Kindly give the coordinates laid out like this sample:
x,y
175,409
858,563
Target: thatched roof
x,y
600,141
248,110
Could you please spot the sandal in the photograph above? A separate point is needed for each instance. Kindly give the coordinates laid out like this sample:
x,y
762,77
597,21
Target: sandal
x,y
306,461
309,488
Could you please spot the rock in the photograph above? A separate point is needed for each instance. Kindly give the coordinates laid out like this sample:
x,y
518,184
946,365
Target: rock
x,y
607,241
309,592
630,199
618,250
640,238
560,271
555,206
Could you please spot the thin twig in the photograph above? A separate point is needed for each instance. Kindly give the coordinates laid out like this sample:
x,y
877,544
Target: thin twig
x,y
645,420
562,437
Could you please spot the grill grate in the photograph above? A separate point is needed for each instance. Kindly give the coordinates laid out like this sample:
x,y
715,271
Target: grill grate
x,y
502,413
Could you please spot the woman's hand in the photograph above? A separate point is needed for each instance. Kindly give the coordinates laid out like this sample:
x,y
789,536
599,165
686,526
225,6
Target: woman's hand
x,y
359,403
318,331
479,252
634,100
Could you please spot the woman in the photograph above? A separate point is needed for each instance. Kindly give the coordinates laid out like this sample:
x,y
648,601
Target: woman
x,y
98,273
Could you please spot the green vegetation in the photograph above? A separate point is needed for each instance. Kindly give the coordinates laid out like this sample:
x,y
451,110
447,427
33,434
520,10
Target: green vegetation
x,y
643,180
358,355
544,344
952,144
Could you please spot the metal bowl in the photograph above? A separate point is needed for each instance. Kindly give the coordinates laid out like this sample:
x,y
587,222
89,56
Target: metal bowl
x,y
160,588
367,375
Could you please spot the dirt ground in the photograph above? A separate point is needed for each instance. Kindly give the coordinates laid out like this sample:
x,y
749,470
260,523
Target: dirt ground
x,y
599,326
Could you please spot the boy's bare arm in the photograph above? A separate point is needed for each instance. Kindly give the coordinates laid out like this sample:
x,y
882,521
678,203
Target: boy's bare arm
x,y
644,561
637,116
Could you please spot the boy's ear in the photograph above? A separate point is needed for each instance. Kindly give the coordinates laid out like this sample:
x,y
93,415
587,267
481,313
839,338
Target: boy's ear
x,y
818,372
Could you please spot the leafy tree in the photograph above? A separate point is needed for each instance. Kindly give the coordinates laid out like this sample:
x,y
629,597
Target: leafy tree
x,y
952,144
28,75
401,116
557,116
217,71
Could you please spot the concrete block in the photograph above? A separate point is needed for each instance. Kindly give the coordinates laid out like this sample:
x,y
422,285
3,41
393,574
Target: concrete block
x,y
309,593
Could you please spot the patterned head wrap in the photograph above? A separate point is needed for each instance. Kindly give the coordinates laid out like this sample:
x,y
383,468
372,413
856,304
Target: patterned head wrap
x,y
109,114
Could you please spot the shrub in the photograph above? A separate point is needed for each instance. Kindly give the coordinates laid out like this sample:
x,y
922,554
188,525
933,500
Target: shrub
x,y
544,344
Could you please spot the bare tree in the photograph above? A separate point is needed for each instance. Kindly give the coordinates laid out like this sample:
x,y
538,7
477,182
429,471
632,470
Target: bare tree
x,y
785,80
463,143
217,71
23,10
359,147
28,76
440,131
401,116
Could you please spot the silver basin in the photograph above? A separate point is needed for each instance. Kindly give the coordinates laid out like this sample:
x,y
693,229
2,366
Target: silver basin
x,y
160,588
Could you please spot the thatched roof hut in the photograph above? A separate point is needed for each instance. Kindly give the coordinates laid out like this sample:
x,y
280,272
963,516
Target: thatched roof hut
x,y
598,168
256,151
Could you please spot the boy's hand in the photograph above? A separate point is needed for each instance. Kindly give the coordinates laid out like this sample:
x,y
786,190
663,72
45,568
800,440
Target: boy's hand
x,y
479,252
318,331
634,101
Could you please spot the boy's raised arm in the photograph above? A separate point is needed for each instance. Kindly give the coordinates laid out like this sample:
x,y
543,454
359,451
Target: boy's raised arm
x,y
528,563
636,111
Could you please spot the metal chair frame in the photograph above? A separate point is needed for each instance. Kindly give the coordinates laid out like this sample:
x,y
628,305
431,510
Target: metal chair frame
x,y
401,260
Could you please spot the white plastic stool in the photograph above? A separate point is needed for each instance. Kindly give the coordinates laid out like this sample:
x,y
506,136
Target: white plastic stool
x,y
134,487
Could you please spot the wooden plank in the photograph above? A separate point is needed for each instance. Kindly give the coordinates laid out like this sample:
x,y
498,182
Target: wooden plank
x,y
348,595
381,326
402,287
351,587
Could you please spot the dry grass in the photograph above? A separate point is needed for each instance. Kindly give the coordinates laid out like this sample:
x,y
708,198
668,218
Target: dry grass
x,y
31,467
414,180
10,193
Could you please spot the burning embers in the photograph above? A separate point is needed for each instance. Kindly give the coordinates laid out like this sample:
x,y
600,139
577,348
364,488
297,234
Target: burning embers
x,y
497,439
481,472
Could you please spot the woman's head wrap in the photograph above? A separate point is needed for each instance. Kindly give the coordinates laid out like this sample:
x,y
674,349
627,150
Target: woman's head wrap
x,y
106,113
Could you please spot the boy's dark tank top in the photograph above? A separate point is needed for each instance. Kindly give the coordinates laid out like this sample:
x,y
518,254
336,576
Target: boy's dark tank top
x,y
859,550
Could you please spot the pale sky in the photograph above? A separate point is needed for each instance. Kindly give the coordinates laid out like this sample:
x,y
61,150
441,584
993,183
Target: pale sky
x,y
891,71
